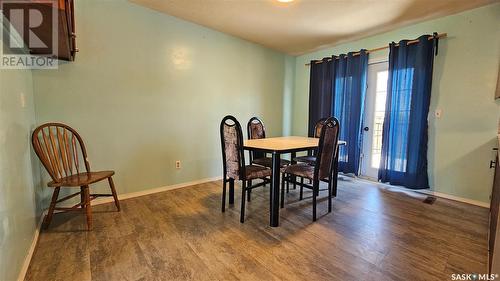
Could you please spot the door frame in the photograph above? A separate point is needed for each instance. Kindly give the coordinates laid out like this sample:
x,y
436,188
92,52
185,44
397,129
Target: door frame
x,y
366,171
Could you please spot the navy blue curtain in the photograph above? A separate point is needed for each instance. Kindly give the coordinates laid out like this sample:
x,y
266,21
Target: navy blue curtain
x,y
320,92
348,106
404,137
337,88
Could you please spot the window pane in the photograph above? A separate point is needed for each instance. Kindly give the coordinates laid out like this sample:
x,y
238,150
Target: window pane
x,y
382,81
379,114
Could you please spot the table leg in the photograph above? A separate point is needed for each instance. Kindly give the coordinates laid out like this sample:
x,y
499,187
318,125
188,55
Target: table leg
x,y
231,191
335,177
294,162
275,191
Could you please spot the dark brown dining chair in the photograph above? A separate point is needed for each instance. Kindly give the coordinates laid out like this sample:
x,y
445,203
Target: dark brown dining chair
x,y
323,169
257,130
62,152
310,158
233,164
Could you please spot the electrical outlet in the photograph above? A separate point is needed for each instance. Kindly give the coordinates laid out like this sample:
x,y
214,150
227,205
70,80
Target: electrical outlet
x,y
178,164
438,113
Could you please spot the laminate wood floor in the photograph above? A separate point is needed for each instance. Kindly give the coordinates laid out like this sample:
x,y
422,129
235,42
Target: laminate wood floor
x,y
373,233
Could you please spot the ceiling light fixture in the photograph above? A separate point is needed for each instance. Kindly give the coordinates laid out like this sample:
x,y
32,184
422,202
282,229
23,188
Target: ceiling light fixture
x,y
285,1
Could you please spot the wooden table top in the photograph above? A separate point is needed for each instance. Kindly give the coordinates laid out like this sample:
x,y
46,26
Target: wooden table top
x,y
283,143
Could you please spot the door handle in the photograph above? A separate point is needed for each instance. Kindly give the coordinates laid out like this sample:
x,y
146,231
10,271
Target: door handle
x,y
366,129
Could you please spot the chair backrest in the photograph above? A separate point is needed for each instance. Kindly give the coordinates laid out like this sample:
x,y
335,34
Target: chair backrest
x,y
60,149
233,158
256,130
327,148
318,126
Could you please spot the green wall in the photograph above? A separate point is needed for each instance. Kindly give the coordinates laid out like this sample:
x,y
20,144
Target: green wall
x,y
19,211
288,92
464,82
148,89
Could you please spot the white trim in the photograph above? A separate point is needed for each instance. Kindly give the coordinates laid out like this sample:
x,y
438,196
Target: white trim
x,y
434,193
456,198
124,196
27,260
31,251
377,60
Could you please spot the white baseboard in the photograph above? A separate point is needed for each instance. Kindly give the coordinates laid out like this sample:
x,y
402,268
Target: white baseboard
x,y
455,198
124,196
434,193
31,251
27,260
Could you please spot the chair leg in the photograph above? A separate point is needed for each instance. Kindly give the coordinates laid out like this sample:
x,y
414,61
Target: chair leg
x,y
283,190
336,173
330,195
315,187
301,188
113,191
88,207
224,181
335,181
249,190
82,197
231,191
287,186
50,213
243,199
293,155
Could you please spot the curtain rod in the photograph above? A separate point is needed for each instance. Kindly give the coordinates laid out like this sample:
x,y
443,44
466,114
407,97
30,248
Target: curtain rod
x,y
440,35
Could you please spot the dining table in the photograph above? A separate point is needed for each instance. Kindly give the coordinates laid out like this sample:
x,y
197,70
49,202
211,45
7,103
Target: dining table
x,y
277,146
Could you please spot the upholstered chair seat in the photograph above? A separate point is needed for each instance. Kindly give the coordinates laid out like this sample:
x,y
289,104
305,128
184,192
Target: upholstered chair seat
x,y
310,160
301,170
257,172
268,162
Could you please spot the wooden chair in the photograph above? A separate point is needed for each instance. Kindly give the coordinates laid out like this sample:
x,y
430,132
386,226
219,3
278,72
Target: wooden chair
x,y
323,169
233,164
62,152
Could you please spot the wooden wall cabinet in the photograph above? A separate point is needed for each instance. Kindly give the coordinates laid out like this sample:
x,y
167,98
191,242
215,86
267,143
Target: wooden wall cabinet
x,y
66,40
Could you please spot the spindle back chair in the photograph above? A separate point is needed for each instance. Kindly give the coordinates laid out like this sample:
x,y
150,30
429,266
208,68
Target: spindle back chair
x,y
62,152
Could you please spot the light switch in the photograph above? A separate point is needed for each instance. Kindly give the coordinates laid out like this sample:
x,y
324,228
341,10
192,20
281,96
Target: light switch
x,y
438,113
22,98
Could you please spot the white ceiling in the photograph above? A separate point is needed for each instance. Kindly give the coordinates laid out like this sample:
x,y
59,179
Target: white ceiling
x,y
307,25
